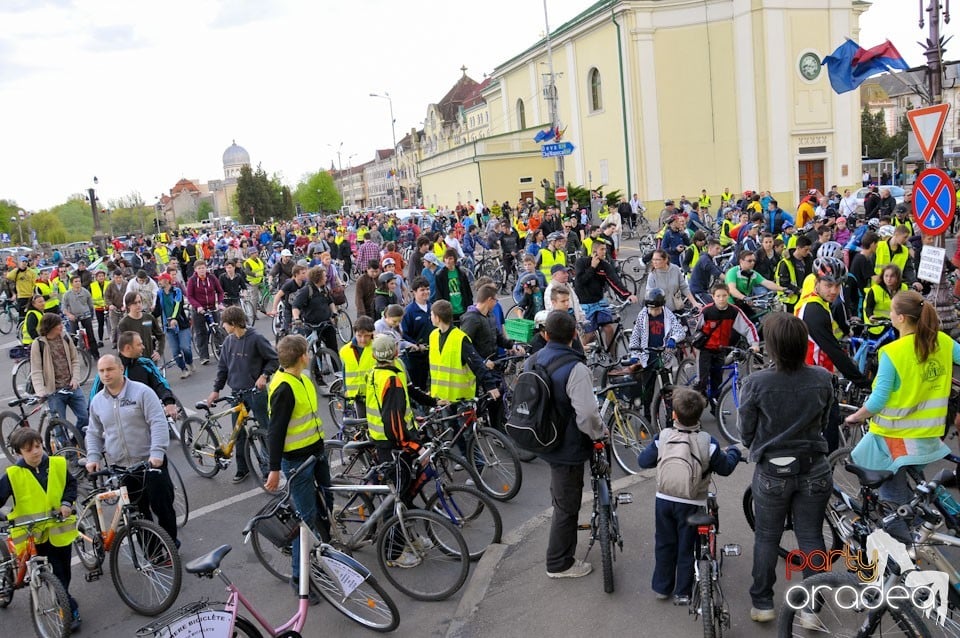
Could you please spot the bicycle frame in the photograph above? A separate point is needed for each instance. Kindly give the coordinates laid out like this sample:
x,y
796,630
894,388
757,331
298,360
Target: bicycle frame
x,y
226,448
26,560
359,538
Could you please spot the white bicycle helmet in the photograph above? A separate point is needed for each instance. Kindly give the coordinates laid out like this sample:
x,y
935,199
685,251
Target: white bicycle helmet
x,y
885,232
830,249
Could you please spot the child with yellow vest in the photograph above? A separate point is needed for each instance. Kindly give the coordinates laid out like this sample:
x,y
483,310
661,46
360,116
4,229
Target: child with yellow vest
x,y
358,360
40,486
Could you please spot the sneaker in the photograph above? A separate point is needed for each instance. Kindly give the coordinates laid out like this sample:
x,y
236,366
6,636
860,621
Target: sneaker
x,y
422,543
577,570
810,620
681,601
75,621
99,344
762,615
241,476
660,596
313,598
406,560
185,373
204,361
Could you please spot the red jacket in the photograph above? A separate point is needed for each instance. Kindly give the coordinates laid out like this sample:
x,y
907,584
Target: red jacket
x,y
204,293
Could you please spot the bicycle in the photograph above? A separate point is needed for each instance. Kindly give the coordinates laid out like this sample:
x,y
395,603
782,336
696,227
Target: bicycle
x,y
324,362
248,306
340,579
600,350
708,601
216,335
405,539
9,316
604,522
82,341
629,431
56,433
865,349
144,563
206,451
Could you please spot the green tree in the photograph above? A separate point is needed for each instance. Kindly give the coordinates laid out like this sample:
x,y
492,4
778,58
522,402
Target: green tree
x,y
873,134
317,192
49,227
255,196
203,212
75,215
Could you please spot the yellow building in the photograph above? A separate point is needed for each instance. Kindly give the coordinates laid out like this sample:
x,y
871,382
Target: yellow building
x,y
665,98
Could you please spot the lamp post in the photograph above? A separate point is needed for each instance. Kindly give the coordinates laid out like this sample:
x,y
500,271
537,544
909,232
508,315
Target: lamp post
x,y
98,237
156,208
393,131
19,225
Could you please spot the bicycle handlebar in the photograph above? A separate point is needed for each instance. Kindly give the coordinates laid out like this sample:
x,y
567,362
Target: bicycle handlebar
x,y
235,399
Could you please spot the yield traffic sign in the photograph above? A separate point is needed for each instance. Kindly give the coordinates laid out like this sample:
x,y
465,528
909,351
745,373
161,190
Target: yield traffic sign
x,y
927,124
934,201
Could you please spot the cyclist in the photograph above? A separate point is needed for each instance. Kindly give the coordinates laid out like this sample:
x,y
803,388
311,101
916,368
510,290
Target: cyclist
x,y
743,281
294,434
51,290
78,308
676,501
254,268
894,250
283,269
705,272
593,275
144,323
655,327
39,483
792,270
357,358
877,301
288,291
721,321
233,282
313,305
146,286
205,294
142,370
385,294
24,281
860,276
415,328
247,360
31,323
456,369
668,277
551,254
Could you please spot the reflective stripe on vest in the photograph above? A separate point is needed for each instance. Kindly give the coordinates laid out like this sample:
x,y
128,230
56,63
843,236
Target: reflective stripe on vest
x,y
355,370
548,259
305,427
449,378
375,387
49,293
256,267
696,256
884,257
918,408
96,291
25,337
31,503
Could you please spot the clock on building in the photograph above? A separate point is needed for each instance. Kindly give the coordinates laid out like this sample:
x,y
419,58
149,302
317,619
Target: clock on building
x,y
809,66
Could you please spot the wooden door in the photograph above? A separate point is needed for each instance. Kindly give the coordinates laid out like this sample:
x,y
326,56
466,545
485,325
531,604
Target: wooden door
x,y
811,176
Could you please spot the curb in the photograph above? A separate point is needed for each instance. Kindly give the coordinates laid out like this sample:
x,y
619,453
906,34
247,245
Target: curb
x,y
488,565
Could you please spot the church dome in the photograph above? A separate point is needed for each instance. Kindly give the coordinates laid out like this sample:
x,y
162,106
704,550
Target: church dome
x,y
235,156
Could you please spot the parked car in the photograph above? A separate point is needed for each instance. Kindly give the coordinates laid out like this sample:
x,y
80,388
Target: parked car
x,y
895,191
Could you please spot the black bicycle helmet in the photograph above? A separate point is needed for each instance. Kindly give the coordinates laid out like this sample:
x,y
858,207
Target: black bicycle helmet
x,y
829,269
655,298
385,278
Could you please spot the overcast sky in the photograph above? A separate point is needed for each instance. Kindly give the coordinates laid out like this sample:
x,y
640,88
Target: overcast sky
x,y
143,93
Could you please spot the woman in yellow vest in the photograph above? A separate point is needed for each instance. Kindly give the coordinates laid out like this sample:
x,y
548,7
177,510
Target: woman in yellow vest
x,y
357,358
879,296
41,485
31,323
97,286
295,435
907,409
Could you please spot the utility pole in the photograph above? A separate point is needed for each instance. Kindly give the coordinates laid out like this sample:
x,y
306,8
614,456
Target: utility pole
x,y
554,116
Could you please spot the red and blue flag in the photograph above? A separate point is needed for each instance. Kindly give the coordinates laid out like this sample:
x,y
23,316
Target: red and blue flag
x,y
850,65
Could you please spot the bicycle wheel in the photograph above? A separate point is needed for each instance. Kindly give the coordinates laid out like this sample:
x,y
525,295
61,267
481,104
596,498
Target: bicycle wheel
x,y
414,555
181,503
474,513
59,434
276,324
49,605
258,457
351,510
347,468
217,336
76,466
7,322
201,445
514,312
687,373
705,591
145,567
22,386
337,402
250,311
728,416
366,604
606,547
496,461
89,544
7,579
629,435
844,615
243,628
453,468
10,422
629,283
275,556
788,542
88,367
344,327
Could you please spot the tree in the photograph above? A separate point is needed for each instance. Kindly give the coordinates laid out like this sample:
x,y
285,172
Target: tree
x,y
203,212
49,227
317,192
873,134
256,197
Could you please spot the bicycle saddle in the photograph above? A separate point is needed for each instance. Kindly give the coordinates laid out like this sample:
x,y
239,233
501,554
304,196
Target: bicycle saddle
x,y
358,446
701,518
348,422
208,562
868,478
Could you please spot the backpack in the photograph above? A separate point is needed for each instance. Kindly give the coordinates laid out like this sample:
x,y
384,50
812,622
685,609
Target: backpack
x,y
535,423
683,463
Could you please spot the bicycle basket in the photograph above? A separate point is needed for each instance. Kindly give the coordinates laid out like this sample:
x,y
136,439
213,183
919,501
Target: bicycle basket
x,y
20,352
281,528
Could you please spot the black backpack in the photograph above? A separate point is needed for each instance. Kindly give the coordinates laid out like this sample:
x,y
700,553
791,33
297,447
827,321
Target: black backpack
x,y
535,423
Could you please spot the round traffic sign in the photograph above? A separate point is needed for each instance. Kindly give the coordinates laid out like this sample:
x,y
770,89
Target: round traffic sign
x,y
560,194
934,201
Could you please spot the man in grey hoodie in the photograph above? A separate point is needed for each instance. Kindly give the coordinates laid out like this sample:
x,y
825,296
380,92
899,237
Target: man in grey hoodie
x,y
128,426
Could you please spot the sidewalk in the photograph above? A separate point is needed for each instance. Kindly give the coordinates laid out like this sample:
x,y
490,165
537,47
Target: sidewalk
x,y
510,594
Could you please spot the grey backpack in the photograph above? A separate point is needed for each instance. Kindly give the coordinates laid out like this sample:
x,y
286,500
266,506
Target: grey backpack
x,y
683,463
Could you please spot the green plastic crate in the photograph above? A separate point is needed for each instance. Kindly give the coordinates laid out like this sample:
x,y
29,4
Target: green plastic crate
x,y
519,329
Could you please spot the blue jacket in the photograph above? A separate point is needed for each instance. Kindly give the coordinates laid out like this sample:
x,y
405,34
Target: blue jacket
x,y
415,325
432,280
518,288
673,240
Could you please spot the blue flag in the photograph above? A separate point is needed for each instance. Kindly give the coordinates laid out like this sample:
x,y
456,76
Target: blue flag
x,y
850,65
544,136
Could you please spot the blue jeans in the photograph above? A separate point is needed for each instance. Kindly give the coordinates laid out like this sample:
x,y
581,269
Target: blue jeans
x,y
306,500
675,540
806,496
78,405
181,348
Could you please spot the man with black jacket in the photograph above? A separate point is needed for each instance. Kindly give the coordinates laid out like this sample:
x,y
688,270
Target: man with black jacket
x,y
247,360
592,275
572,391
141,369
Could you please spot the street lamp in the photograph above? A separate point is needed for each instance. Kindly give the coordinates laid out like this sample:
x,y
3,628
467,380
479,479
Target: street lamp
x,y
19,225
156,208
98,237
338,151
393,131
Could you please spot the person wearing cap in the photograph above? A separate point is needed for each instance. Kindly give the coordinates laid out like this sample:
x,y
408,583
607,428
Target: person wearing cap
x,y
539,339
552,254
560,276
390,266
431,265
282,271
24,280
254,268
172,312
453,284
669,210
294,435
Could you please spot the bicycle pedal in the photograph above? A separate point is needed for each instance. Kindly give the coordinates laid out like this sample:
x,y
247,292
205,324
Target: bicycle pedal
x,y
624,498
731,549
93,576
584,527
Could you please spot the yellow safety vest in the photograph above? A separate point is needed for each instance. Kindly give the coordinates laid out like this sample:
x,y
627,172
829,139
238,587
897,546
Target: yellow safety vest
x,y
882,301
548,258
907,222
449,378
918,408
25,337
704,201
813,297
587,246
375,386
884,257
726,197
305,427
96,291
162,254
162,238
696,255
355,369
255,269
725,228
439,248
51,294
30,501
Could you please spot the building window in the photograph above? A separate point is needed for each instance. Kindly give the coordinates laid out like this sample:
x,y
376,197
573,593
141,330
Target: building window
x,y
521,115
596,90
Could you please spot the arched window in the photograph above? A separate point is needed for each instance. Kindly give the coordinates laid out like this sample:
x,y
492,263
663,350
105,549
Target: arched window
x,y
596,90
521,115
